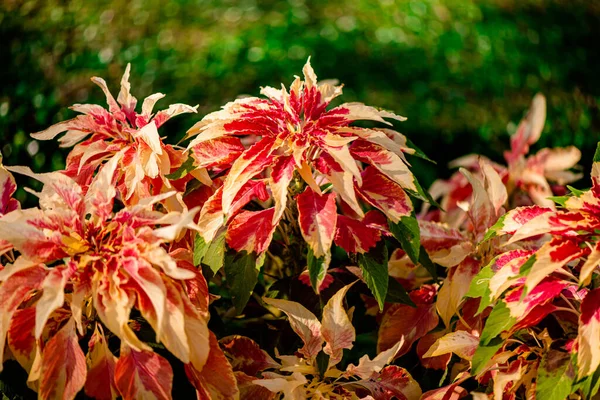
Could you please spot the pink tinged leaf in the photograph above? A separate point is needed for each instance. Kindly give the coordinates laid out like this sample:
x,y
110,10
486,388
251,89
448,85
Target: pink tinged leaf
x,y
551,257
392,382
448,392
402,321
529,129
454,288
251,231
281,176
342,157
21,339
336,327
174,110
461,343
367,367
149,102
245,355
481,210
63,372
303,322
317,218
385,194
252,162
355,236
13,291
216,381
445,246
53,295
100,382
440,361
493,184
143,375
211,216
196,329
588,351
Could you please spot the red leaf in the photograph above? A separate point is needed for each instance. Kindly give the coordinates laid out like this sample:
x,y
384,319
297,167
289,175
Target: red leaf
x,y
245,355
63,370
21,339
317,218
216,381
355,236
385,194
143,375
251,231
392,382
100,383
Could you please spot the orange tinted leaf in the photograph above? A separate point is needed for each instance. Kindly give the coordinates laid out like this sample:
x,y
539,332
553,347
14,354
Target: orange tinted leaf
x,y
100,382
142,375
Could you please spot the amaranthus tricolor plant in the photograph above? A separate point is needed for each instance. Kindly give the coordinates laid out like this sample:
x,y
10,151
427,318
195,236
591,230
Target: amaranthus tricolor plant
x,y
284,208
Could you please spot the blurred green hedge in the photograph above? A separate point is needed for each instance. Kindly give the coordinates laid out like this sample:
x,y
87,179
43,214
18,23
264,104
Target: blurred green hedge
x,y
463,72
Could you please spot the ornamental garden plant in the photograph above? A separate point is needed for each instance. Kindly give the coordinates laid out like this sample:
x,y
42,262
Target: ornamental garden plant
x,y
285,250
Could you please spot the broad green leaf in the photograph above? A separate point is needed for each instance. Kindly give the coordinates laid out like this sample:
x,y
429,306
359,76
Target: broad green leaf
x,y
374,266
322,362
499,321
484,354
183,170
493,230
211,254
589,385
406,231
397,294
422,194
555,376
480,287
560,200
597,153
426,262
241,272
317,268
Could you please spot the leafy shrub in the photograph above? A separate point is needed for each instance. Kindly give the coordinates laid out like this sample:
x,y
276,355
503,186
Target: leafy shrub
x,y
140,251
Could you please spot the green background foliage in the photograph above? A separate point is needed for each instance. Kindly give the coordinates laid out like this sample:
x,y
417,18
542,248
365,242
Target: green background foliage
x,y
463,72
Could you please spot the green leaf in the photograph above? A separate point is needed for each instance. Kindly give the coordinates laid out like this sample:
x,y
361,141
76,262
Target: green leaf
x,y
426,262
560,200
397,294
589,385
555,376
499,321
418,152
493,230
183,170
597,153
317,268
322,363
484,354
480,287
577,192
407,232
374,266
422,194
211,254
241,272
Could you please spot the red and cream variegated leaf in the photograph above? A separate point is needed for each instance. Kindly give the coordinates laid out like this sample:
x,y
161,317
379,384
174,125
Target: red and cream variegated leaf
x,y
445,245
546,291
336,327
317,217
8,187
357,236
481,211
249,390
216,381
367,367
281,176
251,231
14,290
392,382
385,194
21,339
448,392
100,382
407,323
439,362
513,220
506,270
218,152
461,343
454,288
252,162
550,257
591,263
304,323
341,180
143,375
588,351
52,295
63,372
245,355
